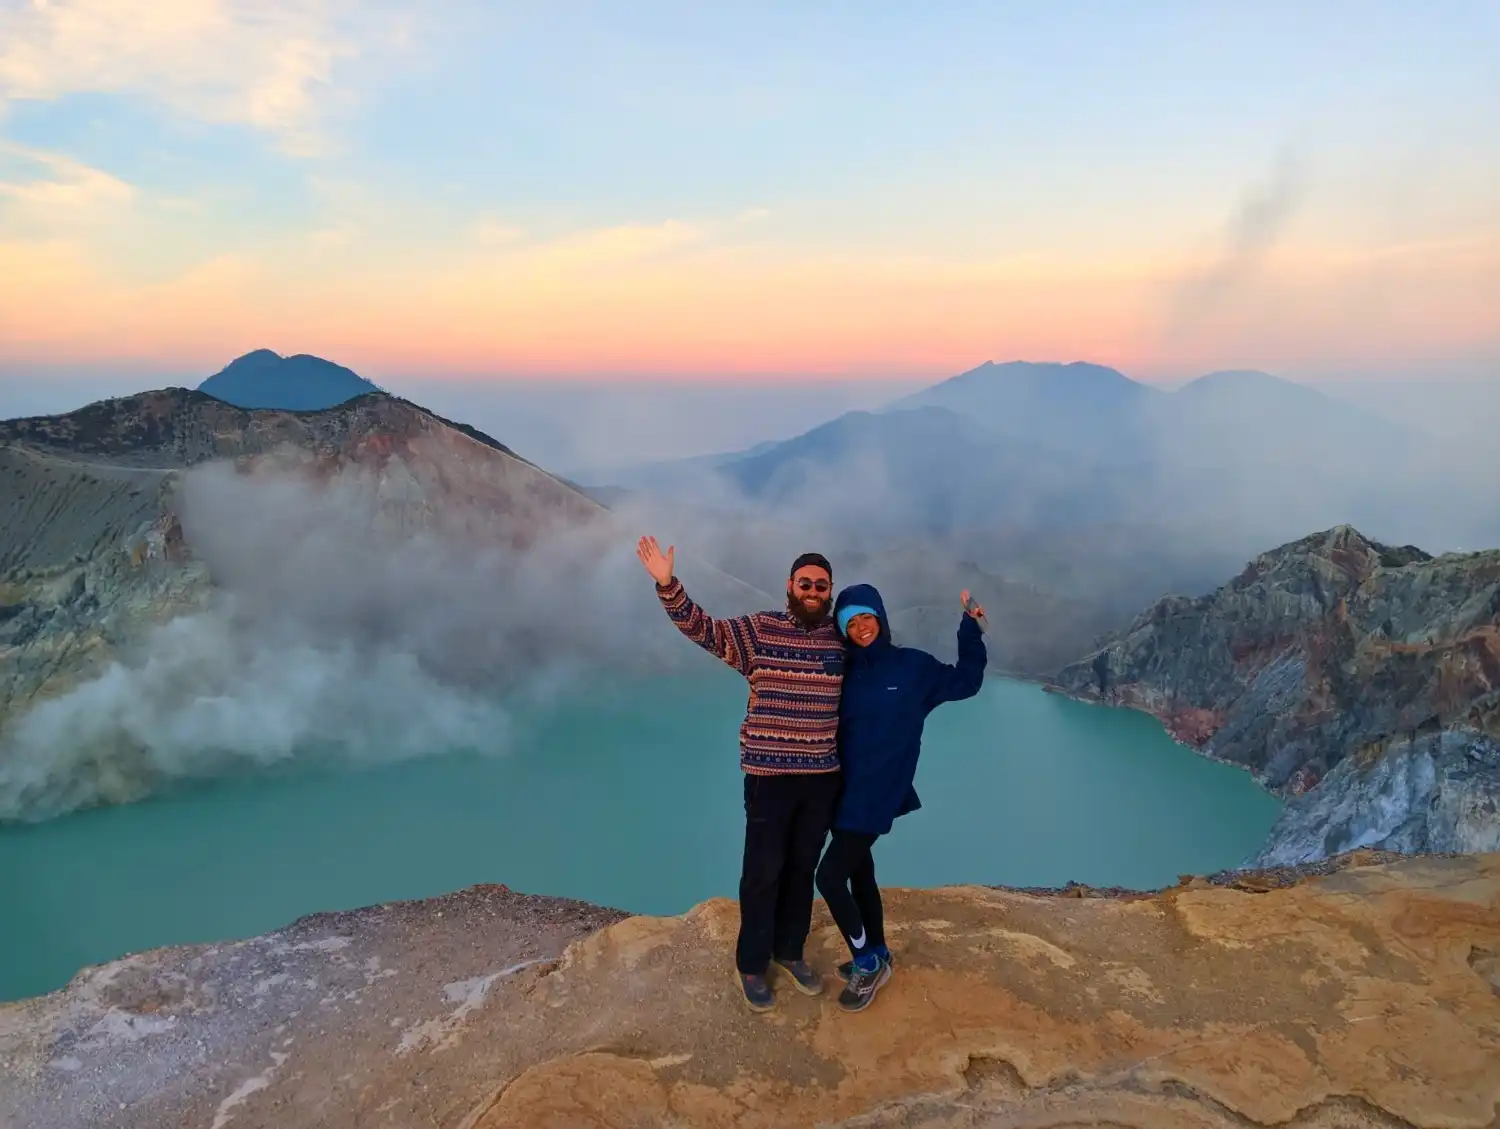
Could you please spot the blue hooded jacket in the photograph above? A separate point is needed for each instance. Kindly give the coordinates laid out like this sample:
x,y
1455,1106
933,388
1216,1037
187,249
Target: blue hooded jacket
x,y
888,693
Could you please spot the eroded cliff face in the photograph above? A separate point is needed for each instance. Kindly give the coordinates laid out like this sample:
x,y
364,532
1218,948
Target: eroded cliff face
x,y
1361,680
1364,991
92,543
1438,792
91,556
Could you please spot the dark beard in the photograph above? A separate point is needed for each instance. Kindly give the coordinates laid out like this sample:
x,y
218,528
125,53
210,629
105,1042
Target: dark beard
x,y
802,615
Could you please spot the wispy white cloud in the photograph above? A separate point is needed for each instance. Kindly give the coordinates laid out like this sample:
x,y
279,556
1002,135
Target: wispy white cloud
x,y
51,190
267,65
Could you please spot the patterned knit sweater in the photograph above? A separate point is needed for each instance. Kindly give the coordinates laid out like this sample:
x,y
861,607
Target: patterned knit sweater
x,y
796,675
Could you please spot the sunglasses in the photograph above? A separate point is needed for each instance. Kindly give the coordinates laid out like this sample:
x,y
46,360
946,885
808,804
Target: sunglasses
x,y
813,586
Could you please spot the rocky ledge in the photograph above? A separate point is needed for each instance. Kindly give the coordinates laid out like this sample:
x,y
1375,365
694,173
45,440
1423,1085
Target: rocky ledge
x,y
1363,991
1360,680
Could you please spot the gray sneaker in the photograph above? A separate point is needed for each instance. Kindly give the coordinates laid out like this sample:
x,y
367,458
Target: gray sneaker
x,y
808,982
862,987
757,992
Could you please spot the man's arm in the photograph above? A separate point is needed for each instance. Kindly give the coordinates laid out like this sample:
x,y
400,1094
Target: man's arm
x,y
962,680
732,640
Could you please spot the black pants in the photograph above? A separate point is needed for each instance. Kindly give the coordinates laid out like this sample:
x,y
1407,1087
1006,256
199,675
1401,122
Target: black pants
x,y
846,879
786,821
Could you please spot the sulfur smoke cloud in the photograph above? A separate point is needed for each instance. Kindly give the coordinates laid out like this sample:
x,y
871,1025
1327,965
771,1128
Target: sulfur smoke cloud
x,y
1258,221
340,631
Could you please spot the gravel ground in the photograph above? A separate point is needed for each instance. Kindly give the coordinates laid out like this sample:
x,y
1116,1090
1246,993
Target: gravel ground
x,y
182,1036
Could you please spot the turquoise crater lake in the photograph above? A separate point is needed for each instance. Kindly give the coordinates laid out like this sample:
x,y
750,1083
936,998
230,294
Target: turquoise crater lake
x,y
630,799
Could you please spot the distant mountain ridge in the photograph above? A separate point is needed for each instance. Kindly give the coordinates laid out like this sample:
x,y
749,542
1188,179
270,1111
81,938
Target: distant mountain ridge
x,y
1078,407
923,470
300,383
1051,444
1085,403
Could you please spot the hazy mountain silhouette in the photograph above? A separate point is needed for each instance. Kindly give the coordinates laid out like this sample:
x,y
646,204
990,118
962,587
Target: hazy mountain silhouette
x,y
1085,409
1237,457
922,470
1249,399
300,383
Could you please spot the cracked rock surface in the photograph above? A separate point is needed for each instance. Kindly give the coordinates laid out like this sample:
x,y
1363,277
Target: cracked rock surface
x,y
1361,991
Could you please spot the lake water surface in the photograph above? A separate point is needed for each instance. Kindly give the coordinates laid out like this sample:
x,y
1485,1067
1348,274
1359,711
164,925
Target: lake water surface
x,y
630,798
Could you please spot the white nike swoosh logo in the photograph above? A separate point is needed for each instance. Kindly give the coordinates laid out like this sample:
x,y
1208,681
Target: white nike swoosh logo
x,y
858,942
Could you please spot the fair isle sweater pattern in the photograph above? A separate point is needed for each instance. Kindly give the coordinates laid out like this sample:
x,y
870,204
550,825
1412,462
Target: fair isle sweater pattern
x,y
795,673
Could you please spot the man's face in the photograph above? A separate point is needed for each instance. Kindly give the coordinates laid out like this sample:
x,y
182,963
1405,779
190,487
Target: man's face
x,y
809,592
863,629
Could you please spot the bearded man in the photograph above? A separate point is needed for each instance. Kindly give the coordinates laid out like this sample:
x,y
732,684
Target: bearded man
x,y
794,661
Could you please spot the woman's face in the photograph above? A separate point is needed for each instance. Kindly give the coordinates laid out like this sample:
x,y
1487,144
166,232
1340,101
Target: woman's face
x,y
863,629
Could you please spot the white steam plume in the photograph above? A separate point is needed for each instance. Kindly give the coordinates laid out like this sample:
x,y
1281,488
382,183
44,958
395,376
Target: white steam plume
x,y
336,632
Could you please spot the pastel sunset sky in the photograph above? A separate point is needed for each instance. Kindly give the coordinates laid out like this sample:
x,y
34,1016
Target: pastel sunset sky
x,y
486,189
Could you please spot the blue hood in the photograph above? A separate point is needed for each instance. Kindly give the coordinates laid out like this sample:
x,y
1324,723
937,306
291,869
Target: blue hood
x,y
865,595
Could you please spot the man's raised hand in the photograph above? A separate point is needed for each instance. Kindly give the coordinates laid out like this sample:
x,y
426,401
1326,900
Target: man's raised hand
x,y
657,563
976,612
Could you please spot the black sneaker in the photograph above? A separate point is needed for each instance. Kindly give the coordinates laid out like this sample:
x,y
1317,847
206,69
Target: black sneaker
x,y
808,982
757,992
862,987
847,968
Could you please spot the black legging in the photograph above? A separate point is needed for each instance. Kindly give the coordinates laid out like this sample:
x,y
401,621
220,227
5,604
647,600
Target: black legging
x,y
846,879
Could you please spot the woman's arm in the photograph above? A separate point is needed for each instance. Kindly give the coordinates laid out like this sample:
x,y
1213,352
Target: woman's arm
x,y
954,683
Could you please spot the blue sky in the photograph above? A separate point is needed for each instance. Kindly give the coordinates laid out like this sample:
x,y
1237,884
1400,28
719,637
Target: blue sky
x,y
483,189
